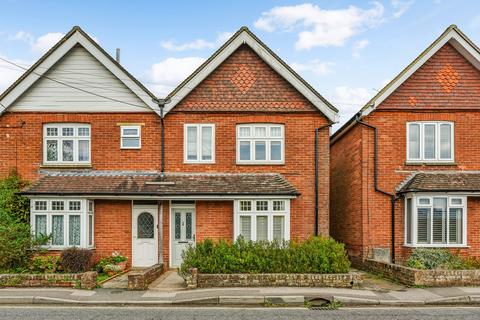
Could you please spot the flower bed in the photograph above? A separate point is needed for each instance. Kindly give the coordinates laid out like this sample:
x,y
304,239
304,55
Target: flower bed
x,y
86,280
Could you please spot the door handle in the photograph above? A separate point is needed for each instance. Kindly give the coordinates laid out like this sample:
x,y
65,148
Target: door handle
x,y
182,241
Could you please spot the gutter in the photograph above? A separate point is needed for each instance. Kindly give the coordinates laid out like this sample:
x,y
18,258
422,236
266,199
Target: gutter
x,y
317,130
161,104
393,197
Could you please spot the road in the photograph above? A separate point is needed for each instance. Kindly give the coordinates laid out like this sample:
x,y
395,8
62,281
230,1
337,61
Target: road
x,y
153,313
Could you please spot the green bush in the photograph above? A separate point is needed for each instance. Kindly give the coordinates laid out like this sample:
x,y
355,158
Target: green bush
x,y
44,264
114,259
76,260
315,255
10,202
432,258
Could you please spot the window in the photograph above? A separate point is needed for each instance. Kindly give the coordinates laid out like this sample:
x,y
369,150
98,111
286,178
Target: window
x,y
130,137
260,144
199,143
433,221
430,141
68,222
259,220
66,143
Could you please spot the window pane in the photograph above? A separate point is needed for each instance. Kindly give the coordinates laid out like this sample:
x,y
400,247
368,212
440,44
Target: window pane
x,y
260,152
408,222
52,150
145,226
188,225
262,205
439,222
414,141
276,132
260,132
52,132
455,225
130,132
424,201
456,201
57,231
90,229
74,230
58,205
131,142
178,222
207,135
278,228
191,143
244,150
67,150
40,225
276,150
445,141
423,225
245,206
67,132
74,205
244,132
246,227
262,228
278,205
84,132
429,141
40,205
83,150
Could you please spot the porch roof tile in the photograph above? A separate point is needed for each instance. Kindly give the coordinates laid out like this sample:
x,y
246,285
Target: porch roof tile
x,y
149,183
445,181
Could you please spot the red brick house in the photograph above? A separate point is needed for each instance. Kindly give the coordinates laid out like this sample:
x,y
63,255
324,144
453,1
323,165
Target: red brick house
x,y
230,152
405,171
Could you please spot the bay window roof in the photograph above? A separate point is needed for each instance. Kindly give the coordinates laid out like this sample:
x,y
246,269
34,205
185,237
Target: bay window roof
x,y
443,181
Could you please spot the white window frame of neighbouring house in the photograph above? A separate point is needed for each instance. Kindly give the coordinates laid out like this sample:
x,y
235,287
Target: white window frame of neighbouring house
x,y
250,213
45,212
430,141
77,135
268,135
130,137
199,147
435,220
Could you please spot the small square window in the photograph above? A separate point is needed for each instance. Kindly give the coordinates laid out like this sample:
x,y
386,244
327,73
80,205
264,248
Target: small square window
x,y
40,205
244,132
74,205
262,205
84,132
52,132
260,132
130,137
278,205
456,201
67,132
276,132
423,201
58,205
245,206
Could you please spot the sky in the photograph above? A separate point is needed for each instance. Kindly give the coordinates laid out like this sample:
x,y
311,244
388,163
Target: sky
x,y
347,50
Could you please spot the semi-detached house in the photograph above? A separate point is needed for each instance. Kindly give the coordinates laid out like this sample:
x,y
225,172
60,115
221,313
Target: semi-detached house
x,y
234,150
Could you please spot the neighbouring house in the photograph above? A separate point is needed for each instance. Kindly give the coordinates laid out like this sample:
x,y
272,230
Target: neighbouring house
x,y
233,151
405,170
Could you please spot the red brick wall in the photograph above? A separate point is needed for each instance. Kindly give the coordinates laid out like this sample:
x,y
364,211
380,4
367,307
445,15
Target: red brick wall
x,y
21,148
421,98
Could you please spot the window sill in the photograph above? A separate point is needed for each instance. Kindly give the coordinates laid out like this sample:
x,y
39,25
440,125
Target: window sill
x,y
198,162
431,163
260,164
66,166
451,246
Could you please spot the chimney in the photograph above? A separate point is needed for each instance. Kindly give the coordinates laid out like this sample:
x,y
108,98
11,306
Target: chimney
x,y
117,55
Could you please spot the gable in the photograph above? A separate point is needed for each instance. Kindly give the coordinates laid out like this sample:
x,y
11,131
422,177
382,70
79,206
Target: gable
x,y
446,80
81,70
244,82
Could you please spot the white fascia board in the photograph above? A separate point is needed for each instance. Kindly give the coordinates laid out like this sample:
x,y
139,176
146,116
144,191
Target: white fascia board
x,y
56,55
457,41
273,62
140,197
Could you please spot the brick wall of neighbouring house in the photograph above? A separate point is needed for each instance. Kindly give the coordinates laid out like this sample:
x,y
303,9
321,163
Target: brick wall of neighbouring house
x,y
423,97
22,148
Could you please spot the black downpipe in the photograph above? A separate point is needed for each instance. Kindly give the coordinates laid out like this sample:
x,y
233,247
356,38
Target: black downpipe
x,y
392,196
317,130
161,105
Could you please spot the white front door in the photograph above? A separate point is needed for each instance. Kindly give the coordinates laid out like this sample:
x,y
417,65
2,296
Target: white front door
x,y
182,232
144,236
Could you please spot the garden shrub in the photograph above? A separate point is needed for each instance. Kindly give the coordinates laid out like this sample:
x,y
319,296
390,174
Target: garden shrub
x,y
431,258
114,259
76,260
315,255
44,264
10,202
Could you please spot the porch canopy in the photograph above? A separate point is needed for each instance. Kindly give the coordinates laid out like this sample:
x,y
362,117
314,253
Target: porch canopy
x,y
147,184
465,182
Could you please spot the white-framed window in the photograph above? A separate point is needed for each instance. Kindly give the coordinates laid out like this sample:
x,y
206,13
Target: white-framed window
x,y
66,143
436,221
69,222
262,219
199,143
130,137
430,141
260,144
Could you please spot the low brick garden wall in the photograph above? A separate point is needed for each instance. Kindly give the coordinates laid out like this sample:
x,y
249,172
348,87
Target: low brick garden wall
x,y
87,280
339,280
140,279
428,278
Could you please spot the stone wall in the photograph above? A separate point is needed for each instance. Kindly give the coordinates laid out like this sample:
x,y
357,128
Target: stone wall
x,y
429,278
87,280
139,280
340,280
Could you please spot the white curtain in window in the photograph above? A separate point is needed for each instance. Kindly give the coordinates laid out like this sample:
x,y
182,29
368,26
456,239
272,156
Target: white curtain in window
x,y
74,230
57,231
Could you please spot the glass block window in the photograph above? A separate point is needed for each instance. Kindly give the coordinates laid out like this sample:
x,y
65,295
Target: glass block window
x,y
66,143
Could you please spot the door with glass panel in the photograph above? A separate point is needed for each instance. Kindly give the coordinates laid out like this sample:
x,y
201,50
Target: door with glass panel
x,y
182,233
145,236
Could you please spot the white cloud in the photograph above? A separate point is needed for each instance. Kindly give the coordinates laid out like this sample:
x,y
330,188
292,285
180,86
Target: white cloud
x,y
320,27
168,73
358,46
316,66
22,36
349,101
45,42
196,44
9,73
401,6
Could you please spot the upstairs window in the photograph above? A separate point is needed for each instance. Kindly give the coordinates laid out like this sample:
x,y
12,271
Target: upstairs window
x,y
199,143
430,141
260,144
66,143
130,137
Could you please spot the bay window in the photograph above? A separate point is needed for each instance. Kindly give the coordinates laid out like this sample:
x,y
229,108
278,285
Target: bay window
x,y
66,143
199,143
260,220
260,144
430,141
436,221
68,222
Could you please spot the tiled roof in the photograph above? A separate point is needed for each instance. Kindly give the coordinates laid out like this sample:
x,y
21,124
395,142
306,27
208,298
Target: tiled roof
x,y
466,181
152,184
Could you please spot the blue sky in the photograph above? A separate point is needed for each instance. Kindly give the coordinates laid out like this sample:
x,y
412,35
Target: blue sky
x,y
345,49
